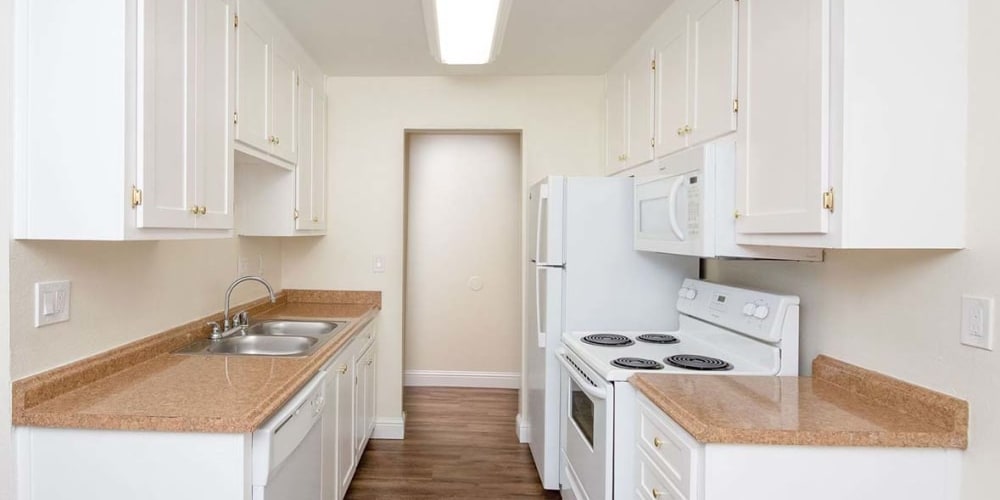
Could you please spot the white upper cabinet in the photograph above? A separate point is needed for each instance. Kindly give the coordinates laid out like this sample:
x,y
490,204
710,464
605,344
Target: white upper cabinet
x,y
616,130
680,82
267,76
639,108
281,189
140,145
712,70
253,71
849,138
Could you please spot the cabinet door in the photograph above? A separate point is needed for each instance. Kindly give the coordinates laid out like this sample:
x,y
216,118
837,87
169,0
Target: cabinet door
x,y
361,415
319,159
369,369
616,126
712,69
284,80
167,166
331,415
305,165
639,86
253,49
782,140
672,87
346,455
215,72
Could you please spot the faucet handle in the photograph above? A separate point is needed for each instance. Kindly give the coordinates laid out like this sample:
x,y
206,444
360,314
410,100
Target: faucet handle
x,y
216,329
241,318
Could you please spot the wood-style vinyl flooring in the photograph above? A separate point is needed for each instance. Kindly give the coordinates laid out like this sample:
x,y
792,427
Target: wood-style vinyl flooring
x,y
460,443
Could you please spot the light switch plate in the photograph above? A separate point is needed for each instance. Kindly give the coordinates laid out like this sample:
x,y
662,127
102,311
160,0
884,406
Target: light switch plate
x,y
378,264
51,302
977,322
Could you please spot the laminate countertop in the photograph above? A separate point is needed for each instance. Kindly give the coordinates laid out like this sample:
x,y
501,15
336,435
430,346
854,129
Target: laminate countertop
x,y
146,386
840,405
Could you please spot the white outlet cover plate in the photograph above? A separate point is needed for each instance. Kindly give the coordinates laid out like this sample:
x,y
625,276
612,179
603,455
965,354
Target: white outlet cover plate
x,y
977,322
51,302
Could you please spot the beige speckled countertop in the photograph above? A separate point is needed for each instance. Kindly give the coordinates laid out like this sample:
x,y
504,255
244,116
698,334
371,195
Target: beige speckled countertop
x,y
841,405
145,386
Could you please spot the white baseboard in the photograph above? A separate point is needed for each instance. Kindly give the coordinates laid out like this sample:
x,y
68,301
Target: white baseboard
x,y
390,427
523,430
437,378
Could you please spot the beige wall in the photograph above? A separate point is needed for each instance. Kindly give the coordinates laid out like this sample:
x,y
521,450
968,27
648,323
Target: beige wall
x,y
562,123
898,312
124,291
463,221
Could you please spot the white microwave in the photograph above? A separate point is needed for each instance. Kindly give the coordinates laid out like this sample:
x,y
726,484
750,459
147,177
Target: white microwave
x,y
687,208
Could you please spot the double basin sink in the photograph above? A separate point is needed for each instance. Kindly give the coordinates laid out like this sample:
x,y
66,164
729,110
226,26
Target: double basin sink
x,y
276,337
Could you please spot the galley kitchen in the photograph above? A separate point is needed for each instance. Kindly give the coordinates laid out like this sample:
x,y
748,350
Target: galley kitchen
x,y
657,249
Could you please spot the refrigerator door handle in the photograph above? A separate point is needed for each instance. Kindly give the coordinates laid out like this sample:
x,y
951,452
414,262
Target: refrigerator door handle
x,y
538,307
543,201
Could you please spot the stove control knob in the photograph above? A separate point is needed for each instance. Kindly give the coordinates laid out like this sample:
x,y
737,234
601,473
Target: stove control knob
x,y
690,294
749,308
761,312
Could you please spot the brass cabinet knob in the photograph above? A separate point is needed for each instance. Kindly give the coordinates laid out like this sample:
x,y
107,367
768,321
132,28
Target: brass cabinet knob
x,y
657,442
687,129
195,209
295,214
203,210
342,370
315,219
277,140
680,130
656,493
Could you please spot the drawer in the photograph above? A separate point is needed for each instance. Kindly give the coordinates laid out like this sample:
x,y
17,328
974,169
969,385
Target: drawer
x,y
651,483
669,447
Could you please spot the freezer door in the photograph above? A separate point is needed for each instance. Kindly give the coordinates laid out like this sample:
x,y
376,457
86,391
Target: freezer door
x,y
541,371
546,219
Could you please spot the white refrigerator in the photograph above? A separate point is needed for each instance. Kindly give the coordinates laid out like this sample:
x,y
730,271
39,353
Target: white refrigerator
x,y
585,275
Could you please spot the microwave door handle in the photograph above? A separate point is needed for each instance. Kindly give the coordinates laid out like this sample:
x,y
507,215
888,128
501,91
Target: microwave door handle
x,y
672,210
594,392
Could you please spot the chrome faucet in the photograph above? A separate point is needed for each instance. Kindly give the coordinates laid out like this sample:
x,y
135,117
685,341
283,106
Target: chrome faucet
x,y
241,319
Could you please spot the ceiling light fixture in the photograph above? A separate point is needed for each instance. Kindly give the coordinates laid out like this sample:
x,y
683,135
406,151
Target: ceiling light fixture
x,y
465,31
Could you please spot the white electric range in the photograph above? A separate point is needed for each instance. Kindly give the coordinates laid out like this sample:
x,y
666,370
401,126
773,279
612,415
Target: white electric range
x,y
723,330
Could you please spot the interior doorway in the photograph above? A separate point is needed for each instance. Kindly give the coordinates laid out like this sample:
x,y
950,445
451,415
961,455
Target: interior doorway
x,y
462,288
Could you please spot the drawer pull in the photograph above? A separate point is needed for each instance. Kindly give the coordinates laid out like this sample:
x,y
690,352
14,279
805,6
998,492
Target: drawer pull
x,y
656,493
657,442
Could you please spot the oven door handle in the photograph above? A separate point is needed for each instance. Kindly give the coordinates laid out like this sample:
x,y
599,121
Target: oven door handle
x,y
594,392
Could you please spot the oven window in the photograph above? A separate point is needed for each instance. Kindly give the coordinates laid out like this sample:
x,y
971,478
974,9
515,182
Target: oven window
x,y
582,411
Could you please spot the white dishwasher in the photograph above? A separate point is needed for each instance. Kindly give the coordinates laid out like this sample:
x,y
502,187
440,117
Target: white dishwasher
x,y
286,449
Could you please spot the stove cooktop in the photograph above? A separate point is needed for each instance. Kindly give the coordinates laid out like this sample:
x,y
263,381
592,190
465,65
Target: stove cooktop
x,y
694,351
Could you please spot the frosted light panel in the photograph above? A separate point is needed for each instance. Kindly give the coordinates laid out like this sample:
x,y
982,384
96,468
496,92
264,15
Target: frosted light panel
x,y
466,29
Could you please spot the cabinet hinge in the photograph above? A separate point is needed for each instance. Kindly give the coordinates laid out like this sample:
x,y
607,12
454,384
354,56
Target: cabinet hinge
x,y
652,142
236,21
652,64
736,105
296,80
136,197
828,200
236,117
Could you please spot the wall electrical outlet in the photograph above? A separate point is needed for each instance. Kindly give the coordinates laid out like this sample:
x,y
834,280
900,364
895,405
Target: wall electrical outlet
x,y
977,322
51,302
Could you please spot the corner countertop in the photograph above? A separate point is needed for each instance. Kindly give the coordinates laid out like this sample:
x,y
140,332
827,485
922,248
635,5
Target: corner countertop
x,y
841,405
145,386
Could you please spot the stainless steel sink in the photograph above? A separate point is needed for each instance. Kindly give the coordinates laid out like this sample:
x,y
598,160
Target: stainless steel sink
x,y
273,337
288,327
262,345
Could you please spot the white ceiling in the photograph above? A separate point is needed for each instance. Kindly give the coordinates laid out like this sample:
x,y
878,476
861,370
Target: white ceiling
x,y
543,37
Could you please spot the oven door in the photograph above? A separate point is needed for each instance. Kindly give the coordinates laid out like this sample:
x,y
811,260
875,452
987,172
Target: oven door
x,y
587,415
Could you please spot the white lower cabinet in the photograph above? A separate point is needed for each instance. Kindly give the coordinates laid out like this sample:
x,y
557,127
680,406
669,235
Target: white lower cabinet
x,y
349,417
671,464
